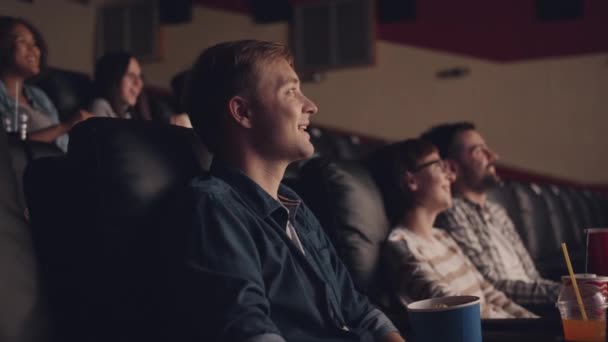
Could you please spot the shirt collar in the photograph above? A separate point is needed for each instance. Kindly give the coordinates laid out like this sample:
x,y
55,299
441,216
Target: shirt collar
x,y
291,205
257,197
473,204
27,92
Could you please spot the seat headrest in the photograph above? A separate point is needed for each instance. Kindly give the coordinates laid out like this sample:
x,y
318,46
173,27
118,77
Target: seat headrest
x,y
69,90
128,164
349,206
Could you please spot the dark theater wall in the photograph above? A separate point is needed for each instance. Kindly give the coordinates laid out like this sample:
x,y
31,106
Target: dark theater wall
x,y
501,30
498,30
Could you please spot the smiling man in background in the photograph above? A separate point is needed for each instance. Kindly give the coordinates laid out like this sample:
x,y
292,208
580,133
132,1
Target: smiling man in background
x,y
481,227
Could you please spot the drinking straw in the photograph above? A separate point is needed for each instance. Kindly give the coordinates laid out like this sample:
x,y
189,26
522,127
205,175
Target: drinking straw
x,y
579,299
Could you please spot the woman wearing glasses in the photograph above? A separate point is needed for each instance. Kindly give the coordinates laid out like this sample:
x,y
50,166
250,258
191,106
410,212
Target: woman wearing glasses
x,y
425,262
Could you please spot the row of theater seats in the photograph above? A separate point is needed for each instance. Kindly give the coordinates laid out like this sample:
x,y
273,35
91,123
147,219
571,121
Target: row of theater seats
x,y
102,219
546,215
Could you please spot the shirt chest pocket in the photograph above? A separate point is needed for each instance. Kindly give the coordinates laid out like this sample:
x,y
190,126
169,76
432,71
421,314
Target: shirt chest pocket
x,y
322,258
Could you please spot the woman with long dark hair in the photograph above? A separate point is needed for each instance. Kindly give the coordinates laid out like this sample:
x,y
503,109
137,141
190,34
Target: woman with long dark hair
x,y
118,84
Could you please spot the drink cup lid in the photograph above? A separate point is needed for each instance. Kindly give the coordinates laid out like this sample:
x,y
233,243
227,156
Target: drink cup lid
x,y
581,276
596,230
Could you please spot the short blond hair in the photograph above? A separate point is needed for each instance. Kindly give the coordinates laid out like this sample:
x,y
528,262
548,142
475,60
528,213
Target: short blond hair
x,y
221,72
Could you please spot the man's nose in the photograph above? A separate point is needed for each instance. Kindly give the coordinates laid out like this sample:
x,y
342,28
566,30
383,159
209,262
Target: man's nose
x,y
310,107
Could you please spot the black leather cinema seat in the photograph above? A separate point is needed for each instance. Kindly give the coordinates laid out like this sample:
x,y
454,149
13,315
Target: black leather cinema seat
x,y
22,152
575,213
22,316
350,208
536,230
558,216
342,146
22,312
104,231
594,203
505,195
323,142
349,205
70,91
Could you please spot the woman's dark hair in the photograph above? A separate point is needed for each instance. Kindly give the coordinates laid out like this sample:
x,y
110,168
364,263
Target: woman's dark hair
x,y
108,75
389,164
7,42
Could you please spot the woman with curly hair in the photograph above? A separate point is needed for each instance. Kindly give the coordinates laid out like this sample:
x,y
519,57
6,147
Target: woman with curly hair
x,y
23,55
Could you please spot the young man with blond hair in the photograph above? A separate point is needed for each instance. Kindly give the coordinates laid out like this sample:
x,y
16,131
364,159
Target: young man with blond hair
x,y
275,276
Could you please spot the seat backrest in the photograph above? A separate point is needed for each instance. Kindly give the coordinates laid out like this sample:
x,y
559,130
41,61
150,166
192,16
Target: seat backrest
x,y
349,206
604,208
578,219
593,202
22,152
536,230
323,142
601,207
336,145
505,196
21,313
69,90
103,250
580,204
560,219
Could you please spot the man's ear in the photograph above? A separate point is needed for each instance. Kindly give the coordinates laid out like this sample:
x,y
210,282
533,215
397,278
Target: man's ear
x,y
453,168
240,111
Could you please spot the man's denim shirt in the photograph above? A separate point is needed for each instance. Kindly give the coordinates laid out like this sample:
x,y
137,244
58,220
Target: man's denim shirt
x,y
256,284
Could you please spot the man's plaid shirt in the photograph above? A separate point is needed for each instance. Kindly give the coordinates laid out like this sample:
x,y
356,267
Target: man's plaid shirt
x,y
477,229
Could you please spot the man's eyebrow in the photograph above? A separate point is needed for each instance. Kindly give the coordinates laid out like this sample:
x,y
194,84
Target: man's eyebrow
x,y
474,146
290,80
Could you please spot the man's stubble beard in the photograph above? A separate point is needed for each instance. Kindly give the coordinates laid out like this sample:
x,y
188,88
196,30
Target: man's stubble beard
x,y
481,184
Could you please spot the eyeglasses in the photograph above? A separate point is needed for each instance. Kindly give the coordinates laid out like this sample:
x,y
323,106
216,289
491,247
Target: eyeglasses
x,y
443,165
